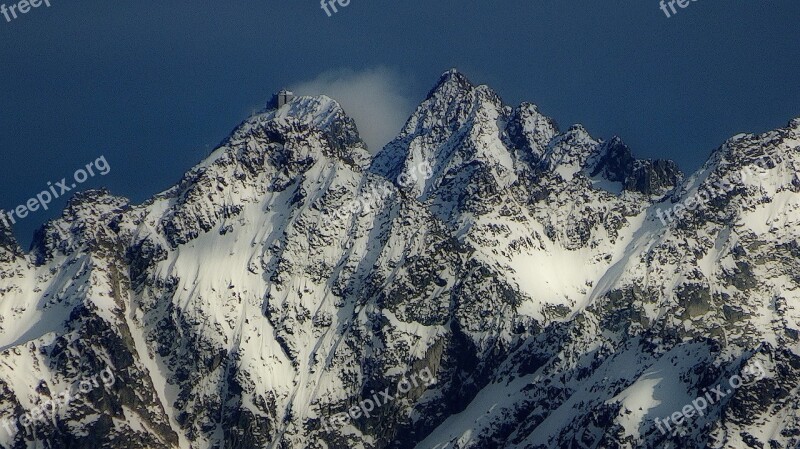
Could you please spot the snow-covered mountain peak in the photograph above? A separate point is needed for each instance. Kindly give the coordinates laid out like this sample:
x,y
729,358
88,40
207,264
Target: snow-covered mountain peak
x,y
449,106
530,131
269,152
314,113
456,128
744,151
450,83
320,111
569,153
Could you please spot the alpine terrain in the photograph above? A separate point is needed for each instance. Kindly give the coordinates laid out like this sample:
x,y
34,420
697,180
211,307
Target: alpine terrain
x,y
487,280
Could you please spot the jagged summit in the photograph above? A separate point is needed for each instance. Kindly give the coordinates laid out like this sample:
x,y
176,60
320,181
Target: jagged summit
x,y
615,162
303,114
87,219
451,81
448,105
314,111
466,131
762,151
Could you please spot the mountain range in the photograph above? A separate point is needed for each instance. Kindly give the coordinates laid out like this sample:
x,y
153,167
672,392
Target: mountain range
x,y
486,280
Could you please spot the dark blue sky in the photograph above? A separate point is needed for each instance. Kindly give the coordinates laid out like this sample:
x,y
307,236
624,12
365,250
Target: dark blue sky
x,y
152,84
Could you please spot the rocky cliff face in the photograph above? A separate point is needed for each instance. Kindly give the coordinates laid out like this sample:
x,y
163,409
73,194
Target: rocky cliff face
x,y
486,280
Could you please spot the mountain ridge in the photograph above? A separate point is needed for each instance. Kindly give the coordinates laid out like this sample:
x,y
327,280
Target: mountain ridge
x,y
271,289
